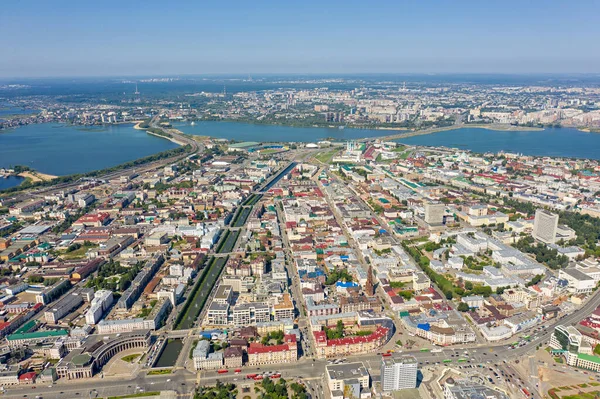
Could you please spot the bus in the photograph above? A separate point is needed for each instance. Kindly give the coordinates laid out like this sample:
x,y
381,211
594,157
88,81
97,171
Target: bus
x,y
526,393
222,371
251,375
424,350
461,360
447,361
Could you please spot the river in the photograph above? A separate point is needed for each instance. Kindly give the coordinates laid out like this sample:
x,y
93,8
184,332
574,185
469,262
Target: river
x,y
273,133
553,142
58,149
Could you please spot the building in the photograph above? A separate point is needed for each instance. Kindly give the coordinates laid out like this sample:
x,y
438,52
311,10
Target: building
x,y
84,361
53,292
63,307
465,389
575,347
398,372
131,294
287,352
578,281
17,340
284,310
350,345
233,356
348,380
99,305
203,359
545,226
434,214
370,286
217,314
251,313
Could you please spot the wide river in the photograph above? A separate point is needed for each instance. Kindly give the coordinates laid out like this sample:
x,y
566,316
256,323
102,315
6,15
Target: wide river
x,y
261,133
555,142
58,149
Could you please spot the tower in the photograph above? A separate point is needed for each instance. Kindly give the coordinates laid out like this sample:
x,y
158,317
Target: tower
x,y
398,373
545,225
369,286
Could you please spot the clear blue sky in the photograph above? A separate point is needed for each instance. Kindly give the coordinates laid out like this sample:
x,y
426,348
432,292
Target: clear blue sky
x,y
93,38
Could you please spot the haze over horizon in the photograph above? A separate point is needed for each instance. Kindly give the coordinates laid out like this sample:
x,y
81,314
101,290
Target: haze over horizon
x,y
68,38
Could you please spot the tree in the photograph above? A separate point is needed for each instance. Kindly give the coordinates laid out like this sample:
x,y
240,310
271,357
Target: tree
x,y
463,307
35,279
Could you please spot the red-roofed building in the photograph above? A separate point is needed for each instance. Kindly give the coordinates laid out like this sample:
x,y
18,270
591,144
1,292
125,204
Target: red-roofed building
x,y
92,220
27,378
270,354
350,345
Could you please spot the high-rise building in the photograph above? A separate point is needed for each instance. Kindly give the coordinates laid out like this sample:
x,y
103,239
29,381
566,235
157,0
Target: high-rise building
x,y
434,213
545,226
398,372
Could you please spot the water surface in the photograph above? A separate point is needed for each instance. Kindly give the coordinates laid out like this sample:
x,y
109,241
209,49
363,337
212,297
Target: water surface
x,y
554,142
273,133
10,181
58,149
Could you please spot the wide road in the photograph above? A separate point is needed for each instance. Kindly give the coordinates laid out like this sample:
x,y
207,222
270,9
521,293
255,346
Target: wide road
x,y
183,381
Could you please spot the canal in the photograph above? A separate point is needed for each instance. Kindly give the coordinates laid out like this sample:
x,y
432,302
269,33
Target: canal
x,y
213,267
279,176
228,241
168,357
243,214
200,293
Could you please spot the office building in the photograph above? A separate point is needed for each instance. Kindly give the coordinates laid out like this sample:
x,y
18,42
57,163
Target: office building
x,y
398,372
545,226
465,389
434,214
348,380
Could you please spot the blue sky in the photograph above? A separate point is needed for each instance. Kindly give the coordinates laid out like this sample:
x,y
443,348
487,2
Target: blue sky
x,y
93,38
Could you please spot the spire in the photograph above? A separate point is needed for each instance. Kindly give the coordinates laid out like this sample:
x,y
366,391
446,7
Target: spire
x,y
369,286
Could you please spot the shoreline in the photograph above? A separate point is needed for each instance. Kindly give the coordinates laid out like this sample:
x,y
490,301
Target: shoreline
x,y
494,127
34,176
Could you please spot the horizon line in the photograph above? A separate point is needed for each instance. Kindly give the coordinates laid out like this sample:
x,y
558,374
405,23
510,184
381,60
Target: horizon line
x,y
331,74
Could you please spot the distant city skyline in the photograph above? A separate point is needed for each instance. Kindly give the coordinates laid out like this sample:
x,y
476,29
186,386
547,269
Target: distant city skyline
x,y
112,38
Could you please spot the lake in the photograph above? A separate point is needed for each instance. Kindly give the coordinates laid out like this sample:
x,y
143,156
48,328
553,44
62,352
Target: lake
x,y
553,142
58,149
262,133
10,181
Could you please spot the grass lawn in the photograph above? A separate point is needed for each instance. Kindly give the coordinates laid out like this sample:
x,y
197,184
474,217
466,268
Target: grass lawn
x,y
583,395
135,395
558,359
130,358
78,253
160,372
327,156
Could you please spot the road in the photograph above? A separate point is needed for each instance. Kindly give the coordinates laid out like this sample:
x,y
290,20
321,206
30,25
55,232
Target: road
x,y
305,368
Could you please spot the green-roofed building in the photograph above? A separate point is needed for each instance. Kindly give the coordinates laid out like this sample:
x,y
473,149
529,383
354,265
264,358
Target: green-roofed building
x,y
589,362
27,327
18,339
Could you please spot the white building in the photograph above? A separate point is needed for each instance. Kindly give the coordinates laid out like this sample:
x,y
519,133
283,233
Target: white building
x,y
398,372
545,226
99,305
